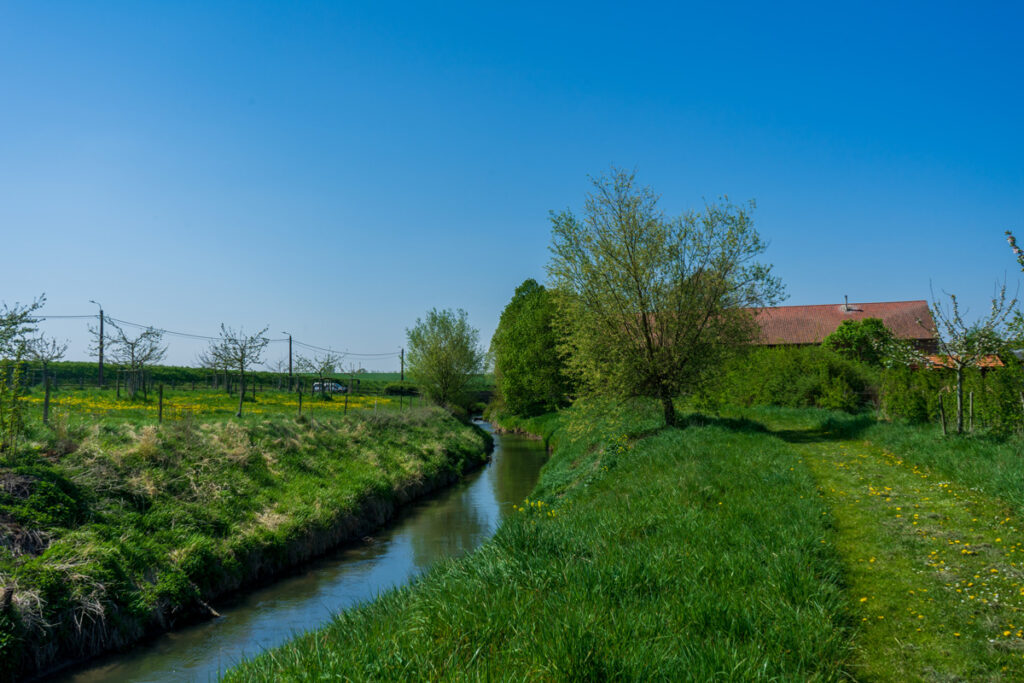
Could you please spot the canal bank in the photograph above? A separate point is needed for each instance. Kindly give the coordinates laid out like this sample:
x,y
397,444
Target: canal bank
x,y
170,519
443,525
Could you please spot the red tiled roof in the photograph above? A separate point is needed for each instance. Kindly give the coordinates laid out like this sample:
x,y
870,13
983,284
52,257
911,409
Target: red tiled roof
x,y
811,324
937,361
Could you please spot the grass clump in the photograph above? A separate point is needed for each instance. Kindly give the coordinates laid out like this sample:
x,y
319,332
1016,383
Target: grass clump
x,y
136,525
646,553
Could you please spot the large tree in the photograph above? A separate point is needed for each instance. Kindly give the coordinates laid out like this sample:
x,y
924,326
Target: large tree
x,y
444,355
650,304
528,371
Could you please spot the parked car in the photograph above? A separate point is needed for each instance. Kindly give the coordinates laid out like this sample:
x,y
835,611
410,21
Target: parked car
x,y
332,387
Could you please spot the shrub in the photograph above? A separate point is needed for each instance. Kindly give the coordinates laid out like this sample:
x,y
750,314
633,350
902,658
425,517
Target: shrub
x,y
794,377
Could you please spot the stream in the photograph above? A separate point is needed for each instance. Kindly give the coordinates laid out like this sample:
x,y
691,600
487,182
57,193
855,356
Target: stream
x,y
447,524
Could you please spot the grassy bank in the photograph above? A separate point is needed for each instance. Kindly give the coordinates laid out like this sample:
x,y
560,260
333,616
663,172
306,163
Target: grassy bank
x,y
928,530
646,554
115,528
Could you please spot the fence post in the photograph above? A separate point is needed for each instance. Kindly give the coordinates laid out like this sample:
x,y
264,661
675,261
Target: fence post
x,y
46,399
160,406
942,414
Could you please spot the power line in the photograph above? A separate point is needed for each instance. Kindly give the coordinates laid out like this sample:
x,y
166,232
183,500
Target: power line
x,y
203,337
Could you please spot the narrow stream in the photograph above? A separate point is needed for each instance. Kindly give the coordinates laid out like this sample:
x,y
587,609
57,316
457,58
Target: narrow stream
x,y
449,524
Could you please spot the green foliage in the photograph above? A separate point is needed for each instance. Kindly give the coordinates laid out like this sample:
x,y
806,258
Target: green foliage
x,y
528,371
16,324
649,305
809,376
444,355
913,395
400,389
866,340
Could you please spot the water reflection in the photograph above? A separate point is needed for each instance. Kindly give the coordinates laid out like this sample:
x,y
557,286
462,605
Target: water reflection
x,y
448,525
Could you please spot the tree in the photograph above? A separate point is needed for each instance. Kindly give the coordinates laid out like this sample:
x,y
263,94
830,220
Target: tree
x,y
867,340
964,344
240,351
319,365
650,305
136,353
528,371
211,360
45,351
17,323
280,368
444,354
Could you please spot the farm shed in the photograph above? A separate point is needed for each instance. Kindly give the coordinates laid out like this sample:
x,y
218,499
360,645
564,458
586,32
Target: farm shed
x,y
807,325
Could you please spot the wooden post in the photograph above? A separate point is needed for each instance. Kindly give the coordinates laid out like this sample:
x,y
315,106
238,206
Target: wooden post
x,y
346,399
970,400
46,399
119,385
942,414
160,406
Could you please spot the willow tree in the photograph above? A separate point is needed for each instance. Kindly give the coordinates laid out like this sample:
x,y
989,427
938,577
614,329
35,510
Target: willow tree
x,y
649,304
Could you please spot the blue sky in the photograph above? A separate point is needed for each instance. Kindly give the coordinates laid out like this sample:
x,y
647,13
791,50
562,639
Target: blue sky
x,y
335,170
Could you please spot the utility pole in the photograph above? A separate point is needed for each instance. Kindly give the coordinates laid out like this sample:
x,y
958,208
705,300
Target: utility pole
x,y
403,365
101,341
291,385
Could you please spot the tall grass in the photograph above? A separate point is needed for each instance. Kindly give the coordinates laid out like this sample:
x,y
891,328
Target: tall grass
x,y
128,527
648,554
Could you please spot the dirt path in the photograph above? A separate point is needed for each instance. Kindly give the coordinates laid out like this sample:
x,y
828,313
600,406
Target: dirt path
x,y
934,570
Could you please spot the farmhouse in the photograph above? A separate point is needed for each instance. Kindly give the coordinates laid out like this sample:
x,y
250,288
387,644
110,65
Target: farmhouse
x,y
806,325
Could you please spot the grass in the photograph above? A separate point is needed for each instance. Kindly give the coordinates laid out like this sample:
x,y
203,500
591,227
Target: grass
x,y
928,531
646,554
113,527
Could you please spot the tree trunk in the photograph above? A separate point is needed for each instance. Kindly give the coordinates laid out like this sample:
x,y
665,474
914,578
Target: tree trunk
x,y
960,400
241,390
670,411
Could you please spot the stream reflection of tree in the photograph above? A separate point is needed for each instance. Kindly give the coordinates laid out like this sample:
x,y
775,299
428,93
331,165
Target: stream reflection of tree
x,y
460,524
515,472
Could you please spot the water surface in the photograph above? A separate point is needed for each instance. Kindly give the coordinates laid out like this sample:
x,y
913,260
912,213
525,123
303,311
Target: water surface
x,y
447,524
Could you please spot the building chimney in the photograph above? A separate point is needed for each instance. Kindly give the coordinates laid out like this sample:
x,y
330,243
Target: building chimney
x,y
846,304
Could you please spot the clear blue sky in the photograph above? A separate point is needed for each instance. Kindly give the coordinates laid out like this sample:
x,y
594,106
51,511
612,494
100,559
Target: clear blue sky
x,y
337,169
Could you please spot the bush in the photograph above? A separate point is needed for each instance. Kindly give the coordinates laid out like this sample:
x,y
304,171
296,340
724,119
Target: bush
x,y
913,396
794,377
400,389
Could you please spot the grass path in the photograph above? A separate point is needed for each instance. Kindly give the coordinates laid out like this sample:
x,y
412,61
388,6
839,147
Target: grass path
x,y
934,570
